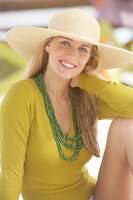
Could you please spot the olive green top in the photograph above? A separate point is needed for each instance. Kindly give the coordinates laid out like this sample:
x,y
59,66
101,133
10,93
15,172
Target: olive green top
x,y
30,160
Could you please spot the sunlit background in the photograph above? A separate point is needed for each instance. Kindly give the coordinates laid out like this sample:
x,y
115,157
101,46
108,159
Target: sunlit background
x,y
116,22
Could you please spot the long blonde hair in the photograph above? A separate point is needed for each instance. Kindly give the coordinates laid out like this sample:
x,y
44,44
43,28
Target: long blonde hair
x,y
85,103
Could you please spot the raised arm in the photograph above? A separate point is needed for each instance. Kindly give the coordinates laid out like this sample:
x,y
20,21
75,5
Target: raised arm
x,y
15,120
115,99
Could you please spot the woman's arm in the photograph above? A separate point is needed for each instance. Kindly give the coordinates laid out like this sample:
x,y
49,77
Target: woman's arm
x,y
15,120
115,99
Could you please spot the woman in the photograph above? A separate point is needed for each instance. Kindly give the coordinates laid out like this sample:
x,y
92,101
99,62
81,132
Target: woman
x,y
48,121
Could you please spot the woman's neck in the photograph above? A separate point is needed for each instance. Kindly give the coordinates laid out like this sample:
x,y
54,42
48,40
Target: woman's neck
x,y
57,87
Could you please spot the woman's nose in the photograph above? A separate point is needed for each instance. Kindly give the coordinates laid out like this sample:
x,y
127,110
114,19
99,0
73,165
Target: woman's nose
x,y
73,53
72,58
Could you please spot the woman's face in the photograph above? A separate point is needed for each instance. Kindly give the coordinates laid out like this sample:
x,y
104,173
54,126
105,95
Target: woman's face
x,y
67,57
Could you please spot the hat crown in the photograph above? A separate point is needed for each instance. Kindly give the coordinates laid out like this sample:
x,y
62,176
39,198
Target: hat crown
x,y
76,22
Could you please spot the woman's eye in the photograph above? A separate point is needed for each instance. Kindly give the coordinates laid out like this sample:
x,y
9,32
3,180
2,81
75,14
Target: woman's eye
x,y
83,49
65,43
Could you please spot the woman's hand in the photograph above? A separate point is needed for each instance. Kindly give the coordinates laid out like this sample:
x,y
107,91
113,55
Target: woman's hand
x,y
74,81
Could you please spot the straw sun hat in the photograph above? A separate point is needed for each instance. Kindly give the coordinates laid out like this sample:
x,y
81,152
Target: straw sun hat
x,y
72,23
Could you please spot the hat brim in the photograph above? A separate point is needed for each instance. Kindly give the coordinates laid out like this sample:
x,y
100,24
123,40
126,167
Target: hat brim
x,y
27,42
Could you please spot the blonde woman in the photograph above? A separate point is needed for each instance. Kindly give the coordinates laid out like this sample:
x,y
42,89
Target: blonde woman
x,y
48,120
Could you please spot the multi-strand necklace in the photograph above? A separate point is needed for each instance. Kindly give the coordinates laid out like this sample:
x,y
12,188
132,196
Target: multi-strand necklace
x,y
58,134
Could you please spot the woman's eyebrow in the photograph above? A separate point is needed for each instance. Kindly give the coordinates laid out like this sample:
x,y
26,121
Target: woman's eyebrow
x,y
85,46
67,38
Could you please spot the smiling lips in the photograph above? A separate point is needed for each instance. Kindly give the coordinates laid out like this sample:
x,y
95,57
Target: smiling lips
x,y
67,64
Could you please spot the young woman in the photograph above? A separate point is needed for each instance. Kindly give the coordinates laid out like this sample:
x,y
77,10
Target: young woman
x,y
48,120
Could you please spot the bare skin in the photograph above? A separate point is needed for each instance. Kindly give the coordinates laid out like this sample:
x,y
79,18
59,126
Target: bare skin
x,y
115,180
71,52
57,78
63,115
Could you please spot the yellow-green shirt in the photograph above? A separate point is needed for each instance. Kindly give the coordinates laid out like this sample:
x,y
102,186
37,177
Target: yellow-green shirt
x,y
30,160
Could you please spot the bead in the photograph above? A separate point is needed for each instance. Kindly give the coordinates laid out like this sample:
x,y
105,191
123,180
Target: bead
x,y
58,134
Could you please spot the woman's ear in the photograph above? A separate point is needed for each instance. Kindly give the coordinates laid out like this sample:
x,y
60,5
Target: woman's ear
x,y
47,48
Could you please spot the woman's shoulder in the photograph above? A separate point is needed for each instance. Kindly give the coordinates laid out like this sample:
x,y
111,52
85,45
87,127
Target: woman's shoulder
x,y
22,89
25,83
23,86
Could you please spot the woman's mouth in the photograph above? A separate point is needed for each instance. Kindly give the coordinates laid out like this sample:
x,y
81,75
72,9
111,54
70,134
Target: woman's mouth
x,y
67,65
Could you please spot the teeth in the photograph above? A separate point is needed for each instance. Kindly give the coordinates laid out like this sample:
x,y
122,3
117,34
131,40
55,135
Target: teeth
x,y
67,65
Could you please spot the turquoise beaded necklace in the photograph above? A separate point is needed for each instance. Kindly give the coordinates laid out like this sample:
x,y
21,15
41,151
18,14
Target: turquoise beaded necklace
x,y
58,134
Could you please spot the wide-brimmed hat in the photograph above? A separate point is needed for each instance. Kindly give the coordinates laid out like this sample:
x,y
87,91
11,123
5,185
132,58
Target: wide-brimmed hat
x,y
72,23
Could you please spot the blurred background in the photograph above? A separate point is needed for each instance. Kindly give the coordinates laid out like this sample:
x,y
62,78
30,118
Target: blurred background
x,y
116,22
